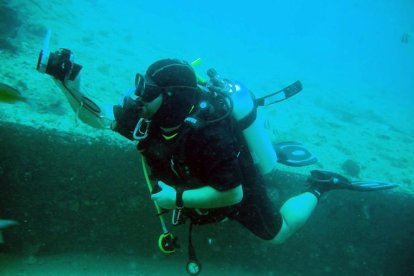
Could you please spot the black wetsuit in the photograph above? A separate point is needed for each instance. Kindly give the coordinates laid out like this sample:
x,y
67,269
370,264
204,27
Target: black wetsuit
x,y
211,156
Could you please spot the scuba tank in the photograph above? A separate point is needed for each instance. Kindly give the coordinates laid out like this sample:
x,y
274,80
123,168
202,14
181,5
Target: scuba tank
x,y
252,126
244,110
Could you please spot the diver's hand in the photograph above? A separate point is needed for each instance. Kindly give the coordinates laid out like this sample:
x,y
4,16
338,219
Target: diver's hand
x,y
126,117
166,197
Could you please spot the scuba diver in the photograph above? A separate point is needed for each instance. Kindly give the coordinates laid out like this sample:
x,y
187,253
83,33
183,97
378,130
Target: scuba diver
x,y
204,147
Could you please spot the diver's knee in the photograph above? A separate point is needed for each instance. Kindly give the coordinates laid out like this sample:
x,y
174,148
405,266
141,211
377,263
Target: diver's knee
x,y
278,240
284,233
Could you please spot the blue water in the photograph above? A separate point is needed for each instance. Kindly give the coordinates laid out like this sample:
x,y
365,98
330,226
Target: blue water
x,y
354,46
345,52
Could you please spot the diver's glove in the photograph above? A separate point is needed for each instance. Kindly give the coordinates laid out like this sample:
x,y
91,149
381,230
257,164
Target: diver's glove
x,y
127,116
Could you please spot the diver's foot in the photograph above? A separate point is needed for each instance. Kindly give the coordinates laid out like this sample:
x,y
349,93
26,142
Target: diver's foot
x,y
324,181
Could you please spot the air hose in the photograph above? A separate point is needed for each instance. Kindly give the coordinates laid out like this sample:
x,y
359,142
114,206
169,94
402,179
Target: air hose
x,y
166,242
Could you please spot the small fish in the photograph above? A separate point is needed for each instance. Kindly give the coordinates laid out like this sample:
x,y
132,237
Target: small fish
x,y
405,38
9,94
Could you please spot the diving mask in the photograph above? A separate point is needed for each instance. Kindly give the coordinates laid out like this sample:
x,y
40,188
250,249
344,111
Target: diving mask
x,y
145,89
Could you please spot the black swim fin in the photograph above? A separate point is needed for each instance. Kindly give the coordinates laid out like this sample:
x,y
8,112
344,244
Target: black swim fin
x,y
372,185
294,154
325,181
280,95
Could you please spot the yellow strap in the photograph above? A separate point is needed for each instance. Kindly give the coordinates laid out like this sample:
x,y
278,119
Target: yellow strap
x,y
169,137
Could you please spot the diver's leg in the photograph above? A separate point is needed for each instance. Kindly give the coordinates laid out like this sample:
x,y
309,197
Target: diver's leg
x,y
295,212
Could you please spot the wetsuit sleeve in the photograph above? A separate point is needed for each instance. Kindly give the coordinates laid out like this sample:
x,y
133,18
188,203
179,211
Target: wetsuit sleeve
x,y
214,158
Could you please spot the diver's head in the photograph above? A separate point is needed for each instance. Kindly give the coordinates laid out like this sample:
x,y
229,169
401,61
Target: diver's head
x,y
168,91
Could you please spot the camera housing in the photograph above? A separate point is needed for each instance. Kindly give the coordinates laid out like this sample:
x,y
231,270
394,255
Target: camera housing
x,y
59,64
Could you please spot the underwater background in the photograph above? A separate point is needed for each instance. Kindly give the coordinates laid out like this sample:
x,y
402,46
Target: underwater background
x,y
82,213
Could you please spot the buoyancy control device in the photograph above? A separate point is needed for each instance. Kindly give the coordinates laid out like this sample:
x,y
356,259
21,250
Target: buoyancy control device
x,y
243,106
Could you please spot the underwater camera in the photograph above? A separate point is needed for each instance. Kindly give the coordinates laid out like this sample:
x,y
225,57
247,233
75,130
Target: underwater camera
x,y
58,64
